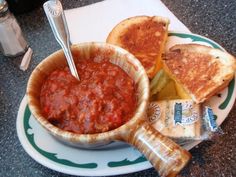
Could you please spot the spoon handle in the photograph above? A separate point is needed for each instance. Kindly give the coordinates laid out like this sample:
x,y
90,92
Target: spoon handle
x,y
57,21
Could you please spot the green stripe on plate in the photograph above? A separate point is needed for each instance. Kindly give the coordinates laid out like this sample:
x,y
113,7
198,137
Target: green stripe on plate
x,y
195,38
49,155
229,95
126,162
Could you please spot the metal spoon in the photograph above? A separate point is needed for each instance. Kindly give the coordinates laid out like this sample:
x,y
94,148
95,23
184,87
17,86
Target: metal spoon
x,y
57,20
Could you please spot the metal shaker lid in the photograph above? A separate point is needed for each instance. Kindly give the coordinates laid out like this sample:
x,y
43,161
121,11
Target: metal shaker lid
x,y
3,6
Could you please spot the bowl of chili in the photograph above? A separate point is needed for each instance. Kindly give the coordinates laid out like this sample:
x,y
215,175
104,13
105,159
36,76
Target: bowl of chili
x,y
108,103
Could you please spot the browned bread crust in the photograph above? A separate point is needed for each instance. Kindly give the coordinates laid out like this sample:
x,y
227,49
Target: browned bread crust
x,y
144,37
202,71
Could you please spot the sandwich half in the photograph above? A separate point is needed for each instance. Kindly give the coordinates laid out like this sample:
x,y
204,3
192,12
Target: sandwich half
x,y
200,71
144,37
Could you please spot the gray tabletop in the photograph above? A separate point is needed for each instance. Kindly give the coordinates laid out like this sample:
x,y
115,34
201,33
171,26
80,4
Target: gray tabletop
x,y
214,19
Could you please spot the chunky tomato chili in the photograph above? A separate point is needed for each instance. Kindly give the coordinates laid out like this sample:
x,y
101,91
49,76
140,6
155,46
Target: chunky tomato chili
x,y
102,100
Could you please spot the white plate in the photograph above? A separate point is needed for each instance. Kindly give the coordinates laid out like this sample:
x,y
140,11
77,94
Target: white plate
x,y
113,159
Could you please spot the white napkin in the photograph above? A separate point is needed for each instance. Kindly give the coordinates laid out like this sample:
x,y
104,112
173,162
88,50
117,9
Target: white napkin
x,y
94,22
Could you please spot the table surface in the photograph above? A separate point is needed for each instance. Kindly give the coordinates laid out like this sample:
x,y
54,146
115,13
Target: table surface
x,y
214,19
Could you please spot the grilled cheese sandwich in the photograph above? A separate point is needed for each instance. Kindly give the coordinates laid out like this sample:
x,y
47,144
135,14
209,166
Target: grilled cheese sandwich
x,y
144,37
201,71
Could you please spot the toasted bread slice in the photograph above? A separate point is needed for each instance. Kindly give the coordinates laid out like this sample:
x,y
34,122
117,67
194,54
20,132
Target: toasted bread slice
x,y
202,71
144,37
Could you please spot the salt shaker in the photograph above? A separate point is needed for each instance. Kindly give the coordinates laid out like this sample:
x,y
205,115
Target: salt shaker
x,y
12,42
